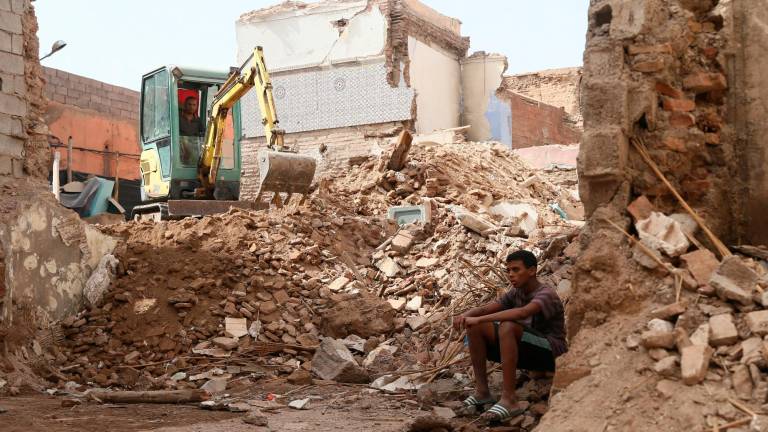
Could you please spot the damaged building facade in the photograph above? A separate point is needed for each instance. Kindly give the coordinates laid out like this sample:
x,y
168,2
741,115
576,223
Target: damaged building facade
x,y
370,68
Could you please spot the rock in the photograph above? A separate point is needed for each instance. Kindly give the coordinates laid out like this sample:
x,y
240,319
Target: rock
x,y
402,242
733,280
658,339
751,350
416,322
666,388
235,327
476,223
226,343
701,335
443,412
758,322
267,307
663,233
178,376
701,263
215,385
669,311
397,304
256,418
333,361
666,366
565,376
642,258
338,284
426,262
300,377
380,358
388,266
632,341
299,404
658,353
722,331
657,324
414,304
255,329
742,381
694,363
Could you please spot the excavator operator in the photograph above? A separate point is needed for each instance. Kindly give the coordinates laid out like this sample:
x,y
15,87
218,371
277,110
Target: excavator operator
x,y
190,125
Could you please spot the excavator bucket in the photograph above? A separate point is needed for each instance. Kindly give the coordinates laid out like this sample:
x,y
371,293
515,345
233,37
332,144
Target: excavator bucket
x,y
284,172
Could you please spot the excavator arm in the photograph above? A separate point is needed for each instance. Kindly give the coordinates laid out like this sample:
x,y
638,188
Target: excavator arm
x,y
253,73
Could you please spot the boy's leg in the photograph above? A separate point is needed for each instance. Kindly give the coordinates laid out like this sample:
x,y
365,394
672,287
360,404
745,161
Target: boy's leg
x,y
510,334
480,336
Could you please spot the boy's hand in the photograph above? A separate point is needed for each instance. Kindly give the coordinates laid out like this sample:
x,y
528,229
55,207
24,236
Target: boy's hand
x,y
470,321
458,321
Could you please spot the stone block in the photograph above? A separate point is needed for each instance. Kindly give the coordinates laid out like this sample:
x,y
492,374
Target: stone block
x,y
603,154
701,263
658,339
5,5
722,331
694,363
603,59
704,82
742,381
733,280
402,242
606,104
10,22
758,322
333,361
12,105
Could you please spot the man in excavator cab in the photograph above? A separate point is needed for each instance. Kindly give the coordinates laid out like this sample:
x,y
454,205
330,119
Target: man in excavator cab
x,y
191,129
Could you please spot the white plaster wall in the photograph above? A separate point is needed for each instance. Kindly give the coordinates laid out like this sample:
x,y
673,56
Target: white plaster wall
x,y
481,77
299,40
436,78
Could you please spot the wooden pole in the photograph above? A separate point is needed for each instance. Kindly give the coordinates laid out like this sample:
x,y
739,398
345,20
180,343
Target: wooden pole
x,y
159,397
55,178
116,192
69,160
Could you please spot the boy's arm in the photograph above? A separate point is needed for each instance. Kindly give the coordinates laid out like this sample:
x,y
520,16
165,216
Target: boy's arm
x,y
489,308
516,314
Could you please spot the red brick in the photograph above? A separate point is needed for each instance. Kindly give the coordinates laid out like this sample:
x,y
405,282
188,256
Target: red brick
x,y
667,90
712,138
675,144
684,105
649,66
710,52
703,82
681,119
640,208
665,48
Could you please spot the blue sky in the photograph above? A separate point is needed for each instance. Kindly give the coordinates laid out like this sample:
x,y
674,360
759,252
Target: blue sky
x,y
117,41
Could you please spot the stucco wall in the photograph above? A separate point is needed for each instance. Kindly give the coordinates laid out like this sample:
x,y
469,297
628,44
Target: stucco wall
x,y
50,255
481,76
13,88
435,75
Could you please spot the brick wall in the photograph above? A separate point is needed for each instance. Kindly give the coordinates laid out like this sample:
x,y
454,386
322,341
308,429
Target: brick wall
x,y
340,144
556,87
13,87
102,119
534,123
78,91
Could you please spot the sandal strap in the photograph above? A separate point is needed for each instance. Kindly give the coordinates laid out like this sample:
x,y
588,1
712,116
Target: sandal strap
x,y
501,411
473,401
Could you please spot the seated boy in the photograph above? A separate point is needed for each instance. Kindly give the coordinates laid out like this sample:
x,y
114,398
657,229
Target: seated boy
x,y
523,329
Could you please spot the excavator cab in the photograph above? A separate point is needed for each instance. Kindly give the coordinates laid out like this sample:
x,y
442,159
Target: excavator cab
x,y
171,141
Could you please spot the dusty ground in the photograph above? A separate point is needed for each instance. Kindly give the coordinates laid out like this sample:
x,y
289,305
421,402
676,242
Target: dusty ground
x,y
340,407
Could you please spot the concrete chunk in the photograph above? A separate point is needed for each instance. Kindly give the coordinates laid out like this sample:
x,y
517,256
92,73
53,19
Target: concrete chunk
x,y
669,311
751,350
733,280
701,335
665,366
663,233
388,266
694,363
402,242
333,361
722,331
476,223
338,284
742,382
758,322
226,343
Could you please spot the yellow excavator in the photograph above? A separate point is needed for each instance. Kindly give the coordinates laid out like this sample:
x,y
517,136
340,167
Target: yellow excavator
x,y
191,163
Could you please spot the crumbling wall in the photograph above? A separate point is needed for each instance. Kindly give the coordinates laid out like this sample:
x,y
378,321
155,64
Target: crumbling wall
x,y
657,71
102,119
534,123
13,88
438,95
556,87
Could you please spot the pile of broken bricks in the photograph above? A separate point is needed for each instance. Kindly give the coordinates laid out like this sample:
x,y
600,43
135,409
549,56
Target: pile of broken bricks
x,y
717,330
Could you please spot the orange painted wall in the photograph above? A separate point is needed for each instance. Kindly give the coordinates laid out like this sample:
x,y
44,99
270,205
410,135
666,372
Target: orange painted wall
x,y
96,131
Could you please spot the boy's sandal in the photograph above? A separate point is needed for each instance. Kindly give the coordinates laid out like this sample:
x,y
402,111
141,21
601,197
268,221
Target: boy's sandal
x,y
474,402
500,414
